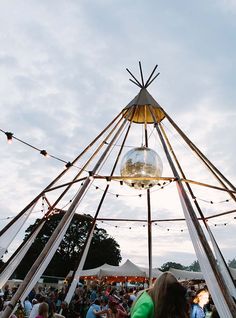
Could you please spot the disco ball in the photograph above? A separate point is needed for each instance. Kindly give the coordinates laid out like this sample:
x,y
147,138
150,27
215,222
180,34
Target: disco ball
x,y
141,162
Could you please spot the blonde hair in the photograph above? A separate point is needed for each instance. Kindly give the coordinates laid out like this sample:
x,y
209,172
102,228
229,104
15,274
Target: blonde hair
x,y
199,293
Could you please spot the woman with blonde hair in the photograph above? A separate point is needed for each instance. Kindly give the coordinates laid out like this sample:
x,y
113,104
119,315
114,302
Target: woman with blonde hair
x,y
199,301
166,299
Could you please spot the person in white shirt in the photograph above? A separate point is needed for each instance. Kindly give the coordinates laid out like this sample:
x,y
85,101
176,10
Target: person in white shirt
x,y
35,309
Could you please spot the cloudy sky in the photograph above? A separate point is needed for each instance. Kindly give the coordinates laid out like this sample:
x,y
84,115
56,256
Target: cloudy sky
x,y
63,79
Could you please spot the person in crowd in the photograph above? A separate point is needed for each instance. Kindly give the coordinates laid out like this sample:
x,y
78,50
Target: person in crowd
x,y
40,292
1,304
200,300
93,294
60,298
95,310
27,306
65,311
32,295
35,309
115,311
20,313
75,307
43,310
7,292
165,299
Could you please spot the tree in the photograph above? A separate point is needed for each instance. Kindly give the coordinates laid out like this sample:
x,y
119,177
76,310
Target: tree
x,y
166,266
195,267
232,263
103,248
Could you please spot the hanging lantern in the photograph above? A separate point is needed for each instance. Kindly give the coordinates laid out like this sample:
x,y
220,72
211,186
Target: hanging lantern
x,y
141,162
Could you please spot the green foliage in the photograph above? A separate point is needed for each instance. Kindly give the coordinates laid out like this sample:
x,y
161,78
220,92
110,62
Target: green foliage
x,y
195,267
232,263
103,248
166,266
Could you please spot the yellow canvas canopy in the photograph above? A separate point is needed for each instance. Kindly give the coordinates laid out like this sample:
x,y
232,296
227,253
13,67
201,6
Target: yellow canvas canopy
x,y
142,113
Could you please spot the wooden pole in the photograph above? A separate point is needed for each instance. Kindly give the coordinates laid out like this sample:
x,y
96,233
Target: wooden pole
x,y
195,202
83,254
198,228
208,185
35,268
149,215
51,208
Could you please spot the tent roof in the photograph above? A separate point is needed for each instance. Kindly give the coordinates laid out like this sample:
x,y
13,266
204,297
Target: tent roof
x,y
189,275
143,99
155,272
186,275
128,269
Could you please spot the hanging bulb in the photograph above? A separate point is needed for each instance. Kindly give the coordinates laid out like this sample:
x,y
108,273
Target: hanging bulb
x,y
68,165
44,153
91,178
9,137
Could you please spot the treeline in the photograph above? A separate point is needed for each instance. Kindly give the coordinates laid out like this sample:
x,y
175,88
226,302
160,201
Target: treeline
x,y
195,267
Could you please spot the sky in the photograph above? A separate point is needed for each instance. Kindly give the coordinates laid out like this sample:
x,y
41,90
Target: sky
x,y
63,79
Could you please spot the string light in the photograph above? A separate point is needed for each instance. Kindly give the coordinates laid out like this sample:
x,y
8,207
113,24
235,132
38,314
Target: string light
x,y
9,137
108,180
68,165
91,178
143,226
211,201
44,153
130,195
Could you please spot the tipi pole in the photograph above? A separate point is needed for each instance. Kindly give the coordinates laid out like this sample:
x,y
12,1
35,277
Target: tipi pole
x,y
208,186
208,251
85,248
149,221
50,209
57,178
200,154
62,226
199,209
149,238
65,184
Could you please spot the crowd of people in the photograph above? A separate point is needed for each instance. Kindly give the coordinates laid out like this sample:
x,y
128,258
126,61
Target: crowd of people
x,y
167,298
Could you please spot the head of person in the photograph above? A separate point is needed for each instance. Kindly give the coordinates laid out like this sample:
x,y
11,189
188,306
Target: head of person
x,y
169,297
113,306
43,309
97,301
202,297
64,305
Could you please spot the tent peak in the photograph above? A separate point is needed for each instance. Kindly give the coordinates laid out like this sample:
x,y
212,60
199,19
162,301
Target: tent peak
x,y
144,105
141,83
